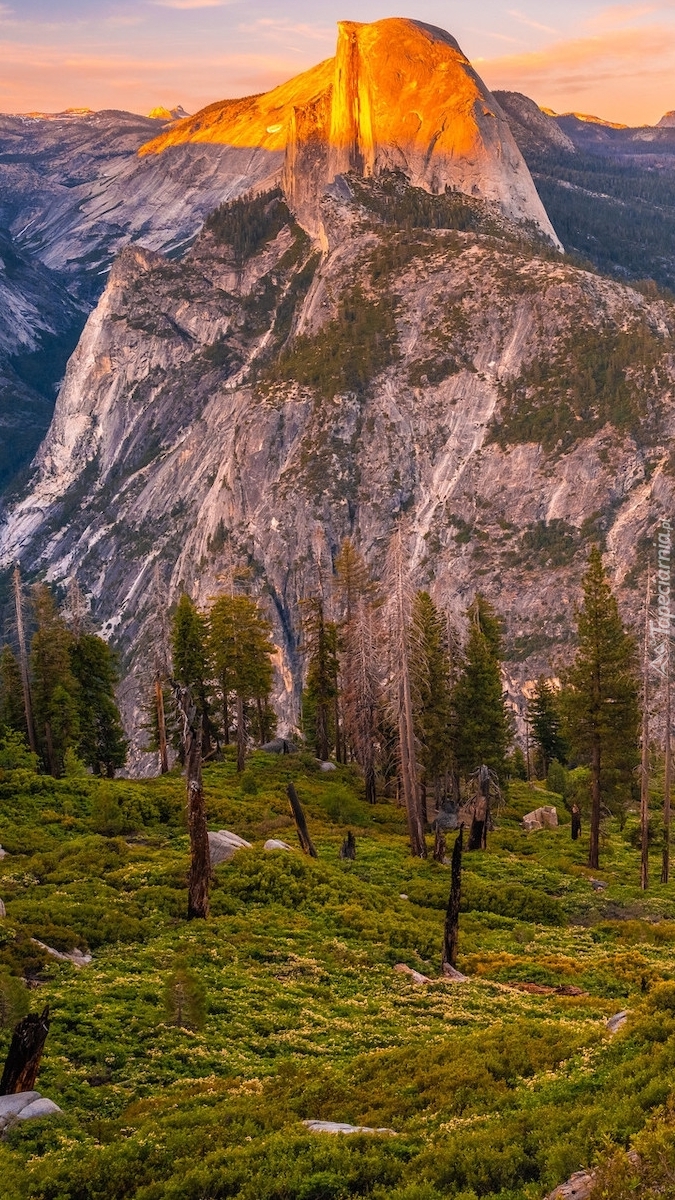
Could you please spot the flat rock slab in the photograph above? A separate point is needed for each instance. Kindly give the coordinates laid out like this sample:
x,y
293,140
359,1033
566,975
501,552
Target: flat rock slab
x,y
541,818
617,1021
328,766
337,1127
223,846
39,1108
275,844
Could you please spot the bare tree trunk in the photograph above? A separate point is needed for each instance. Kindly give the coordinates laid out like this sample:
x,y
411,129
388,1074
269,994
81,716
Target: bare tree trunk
x,y
51,758
594,846
241,734
161,727
440,847
338,737
451,931
348,848
23,660
406,732
199,876
665,869
481,812
300,822
576,822
644,774
25,1053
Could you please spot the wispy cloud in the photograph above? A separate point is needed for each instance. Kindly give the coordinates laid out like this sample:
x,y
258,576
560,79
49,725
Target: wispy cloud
x,y
625,74
275,29
523,20
190,4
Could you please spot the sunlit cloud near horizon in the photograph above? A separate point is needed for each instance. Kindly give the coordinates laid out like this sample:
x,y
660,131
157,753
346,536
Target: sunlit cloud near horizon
x,y
614,61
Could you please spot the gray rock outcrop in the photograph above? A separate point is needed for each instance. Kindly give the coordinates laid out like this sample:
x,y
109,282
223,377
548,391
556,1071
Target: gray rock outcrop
x,y
25,1106
617,1021
545,817
223,846
276,844
338,1127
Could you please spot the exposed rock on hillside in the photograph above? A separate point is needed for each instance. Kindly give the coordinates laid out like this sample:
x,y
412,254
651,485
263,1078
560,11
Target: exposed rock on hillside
x,y
255,409
399,95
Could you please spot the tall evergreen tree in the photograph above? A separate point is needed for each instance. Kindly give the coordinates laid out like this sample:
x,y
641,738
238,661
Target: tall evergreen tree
x,y
546,721
601,699
191,667
432,693
241,654
54,687
102,744
483,729
320,641
12,712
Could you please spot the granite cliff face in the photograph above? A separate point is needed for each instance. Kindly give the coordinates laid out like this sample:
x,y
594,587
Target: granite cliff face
x,y
399,95
209,419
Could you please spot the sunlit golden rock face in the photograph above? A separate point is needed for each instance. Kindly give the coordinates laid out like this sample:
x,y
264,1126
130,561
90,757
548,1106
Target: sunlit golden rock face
x,y
399,94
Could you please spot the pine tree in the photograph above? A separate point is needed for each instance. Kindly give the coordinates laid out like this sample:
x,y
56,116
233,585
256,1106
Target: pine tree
x,y
601,699
483,729
54,687
241,654
102,743
191,667
432,694
546,723
12,712
320,642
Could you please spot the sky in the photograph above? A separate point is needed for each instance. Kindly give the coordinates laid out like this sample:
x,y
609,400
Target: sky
x,y
614,61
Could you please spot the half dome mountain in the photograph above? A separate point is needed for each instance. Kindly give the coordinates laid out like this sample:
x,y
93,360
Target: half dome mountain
x,y
398,95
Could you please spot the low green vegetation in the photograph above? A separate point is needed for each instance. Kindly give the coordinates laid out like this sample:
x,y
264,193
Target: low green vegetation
x,y
594,377
186,1055
350,350
249,224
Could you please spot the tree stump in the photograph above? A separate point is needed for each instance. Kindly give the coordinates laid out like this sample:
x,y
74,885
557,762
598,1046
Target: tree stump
x,y
576,822
25,1052
451,931
348,847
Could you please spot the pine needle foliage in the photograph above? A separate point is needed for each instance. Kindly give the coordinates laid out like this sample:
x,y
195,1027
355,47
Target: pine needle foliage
x,y
546,721
250,223
483,731
12,713
601,705
185,999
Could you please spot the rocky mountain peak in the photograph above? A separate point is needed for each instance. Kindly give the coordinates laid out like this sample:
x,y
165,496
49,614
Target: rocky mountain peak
x,y
399,95
667,120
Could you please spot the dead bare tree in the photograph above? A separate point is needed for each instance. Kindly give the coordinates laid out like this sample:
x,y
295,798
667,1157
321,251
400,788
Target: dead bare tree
x,y
199,876
161,667
361,692
644,772
399,628
451,930
25,1053
300,822
23,658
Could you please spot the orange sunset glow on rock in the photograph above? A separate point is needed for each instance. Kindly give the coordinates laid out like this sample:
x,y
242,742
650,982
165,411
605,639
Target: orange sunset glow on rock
x,y
399,95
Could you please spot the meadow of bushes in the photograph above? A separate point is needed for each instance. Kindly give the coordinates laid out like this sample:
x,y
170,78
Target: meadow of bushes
x,y
296,1012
